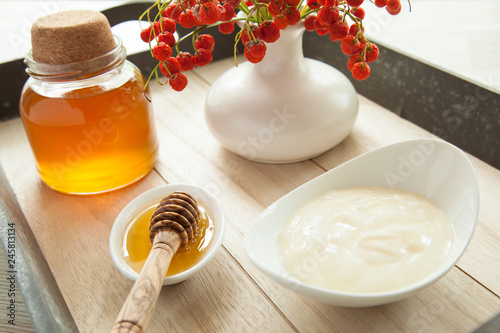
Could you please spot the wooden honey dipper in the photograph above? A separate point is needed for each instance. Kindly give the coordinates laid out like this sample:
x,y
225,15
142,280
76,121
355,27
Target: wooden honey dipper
x,y
174,222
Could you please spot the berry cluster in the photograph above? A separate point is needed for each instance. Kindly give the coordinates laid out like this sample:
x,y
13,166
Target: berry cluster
x,y
189,14
261,24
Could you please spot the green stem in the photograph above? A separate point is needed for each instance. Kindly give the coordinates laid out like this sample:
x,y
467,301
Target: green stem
x,y
359,24
243,7
148,10
236,40
306,11
153,72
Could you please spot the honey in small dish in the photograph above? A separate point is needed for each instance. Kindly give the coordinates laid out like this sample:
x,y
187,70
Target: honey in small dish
x,y
136,244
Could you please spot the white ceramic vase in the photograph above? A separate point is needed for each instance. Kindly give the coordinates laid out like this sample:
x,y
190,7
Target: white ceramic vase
x,y
287,108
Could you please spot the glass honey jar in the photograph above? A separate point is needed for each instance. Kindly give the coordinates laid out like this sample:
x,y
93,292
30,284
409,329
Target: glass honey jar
x,y
88,121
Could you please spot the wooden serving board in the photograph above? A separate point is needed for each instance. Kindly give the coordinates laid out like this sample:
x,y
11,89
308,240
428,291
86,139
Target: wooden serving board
x,y
230,294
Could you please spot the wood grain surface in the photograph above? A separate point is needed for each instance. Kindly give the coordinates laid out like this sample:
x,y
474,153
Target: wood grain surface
x,y
22,318
140,304
230,294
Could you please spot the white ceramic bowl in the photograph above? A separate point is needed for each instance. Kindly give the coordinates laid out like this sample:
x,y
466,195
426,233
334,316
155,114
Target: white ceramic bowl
x,y
152,197
431,167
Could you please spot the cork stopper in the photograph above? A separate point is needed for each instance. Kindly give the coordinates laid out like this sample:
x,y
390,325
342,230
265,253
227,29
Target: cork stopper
x,y
71,36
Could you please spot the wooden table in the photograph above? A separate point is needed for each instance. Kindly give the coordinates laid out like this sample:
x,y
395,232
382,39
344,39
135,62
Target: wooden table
x,y
230,294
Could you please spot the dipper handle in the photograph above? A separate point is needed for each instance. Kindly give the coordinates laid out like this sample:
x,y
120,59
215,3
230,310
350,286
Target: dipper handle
x,y
174,222
139,306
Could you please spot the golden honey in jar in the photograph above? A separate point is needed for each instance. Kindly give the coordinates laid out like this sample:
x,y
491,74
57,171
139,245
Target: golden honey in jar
x,y
136,243
88,121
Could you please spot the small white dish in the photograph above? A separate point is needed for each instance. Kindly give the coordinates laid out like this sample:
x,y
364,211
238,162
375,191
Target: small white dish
x,y
430,167
152,197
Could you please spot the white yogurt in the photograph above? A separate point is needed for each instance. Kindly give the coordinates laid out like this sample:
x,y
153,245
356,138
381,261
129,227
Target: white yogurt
x,y
366,240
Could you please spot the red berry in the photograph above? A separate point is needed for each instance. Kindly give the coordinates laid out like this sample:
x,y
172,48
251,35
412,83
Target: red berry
x,y
196,15
293,15
162,51
328,15
173,65
147,35
309,22
372,53
350,45
202,57
393,4
226,27
274,7
353,30
157,28
323,30
164,71
172,11
313,4
331,3
395,11
167,38
380,3
178,82
167,12
360,71
186,19
205,41
234,3
186,60
292,3
168,25
258,48
358,12
338,30
352,60
255,51
269,32
222,12
281,21
355,3
246,37
320,26
393,7
250,57
227,13
209,13
170,67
